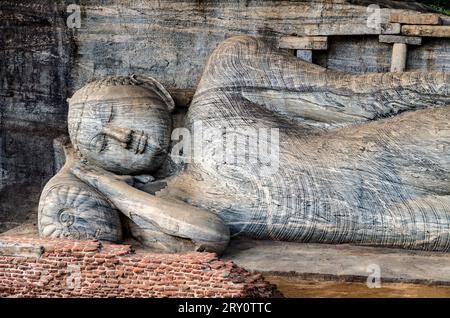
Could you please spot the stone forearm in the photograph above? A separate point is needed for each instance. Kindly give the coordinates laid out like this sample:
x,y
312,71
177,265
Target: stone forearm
x,y
174,218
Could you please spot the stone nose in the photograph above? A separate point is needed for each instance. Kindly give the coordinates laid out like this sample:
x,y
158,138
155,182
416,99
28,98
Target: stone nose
x,y
122,135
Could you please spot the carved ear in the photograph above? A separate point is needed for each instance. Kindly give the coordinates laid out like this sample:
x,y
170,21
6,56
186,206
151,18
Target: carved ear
x,y
155,86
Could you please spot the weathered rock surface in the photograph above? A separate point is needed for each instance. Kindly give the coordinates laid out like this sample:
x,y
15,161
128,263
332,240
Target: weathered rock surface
x,y
42,62
36,55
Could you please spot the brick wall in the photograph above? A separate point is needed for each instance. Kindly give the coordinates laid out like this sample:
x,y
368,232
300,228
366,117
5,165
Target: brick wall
x,y
32,267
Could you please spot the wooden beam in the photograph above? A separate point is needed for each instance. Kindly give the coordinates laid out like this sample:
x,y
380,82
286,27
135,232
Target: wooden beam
x,y
415,18
303,42
427,30
412,40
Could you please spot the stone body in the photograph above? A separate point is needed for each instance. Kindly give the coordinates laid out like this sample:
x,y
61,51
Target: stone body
x,y
363,158
360,159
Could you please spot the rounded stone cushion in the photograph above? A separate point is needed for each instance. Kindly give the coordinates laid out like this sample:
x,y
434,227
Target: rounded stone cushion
x,y
71,209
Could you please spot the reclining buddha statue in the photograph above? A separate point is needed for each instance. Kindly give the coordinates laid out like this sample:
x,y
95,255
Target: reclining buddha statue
x,y
272,148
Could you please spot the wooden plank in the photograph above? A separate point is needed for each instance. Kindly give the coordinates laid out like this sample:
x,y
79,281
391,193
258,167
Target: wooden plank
x,y
415,18
304,42
427,30
412,40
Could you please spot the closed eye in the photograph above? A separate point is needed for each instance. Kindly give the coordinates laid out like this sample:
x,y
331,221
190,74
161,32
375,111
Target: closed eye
x,y
98,143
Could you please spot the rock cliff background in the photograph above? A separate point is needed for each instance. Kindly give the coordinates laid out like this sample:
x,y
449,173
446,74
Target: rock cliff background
x,y
43,61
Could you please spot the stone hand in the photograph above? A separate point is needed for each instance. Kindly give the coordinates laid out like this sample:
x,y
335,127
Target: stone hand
x,y
175,218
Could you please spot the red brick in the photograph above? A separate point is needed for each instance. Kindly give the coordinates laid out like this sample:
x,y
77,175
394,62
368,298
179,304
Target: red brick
x,y
106,270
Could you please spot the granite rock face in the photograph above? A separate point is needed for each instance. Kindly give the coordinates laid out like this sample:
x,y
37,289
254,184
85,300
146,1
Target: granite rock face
x,y
36,56
43,61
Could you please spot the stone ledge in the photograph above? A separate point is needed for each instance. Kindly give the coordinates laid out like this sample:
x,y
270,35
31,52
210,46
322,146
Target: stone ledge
x,y
412,40
442,31
21,249
303,42
415,18
340,262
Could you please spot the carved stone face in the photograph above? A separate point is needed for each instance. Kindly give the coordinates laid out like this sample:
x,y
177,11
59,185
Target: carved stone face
x,y
122,124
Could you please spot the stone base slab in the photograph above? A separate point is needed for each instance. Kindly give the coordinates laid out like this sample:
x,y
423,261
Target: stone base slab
x,y
340,262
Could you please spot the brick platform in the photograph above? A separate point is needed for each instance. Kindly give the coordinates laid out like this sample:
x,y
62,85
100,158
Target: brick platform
x,y
32,267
